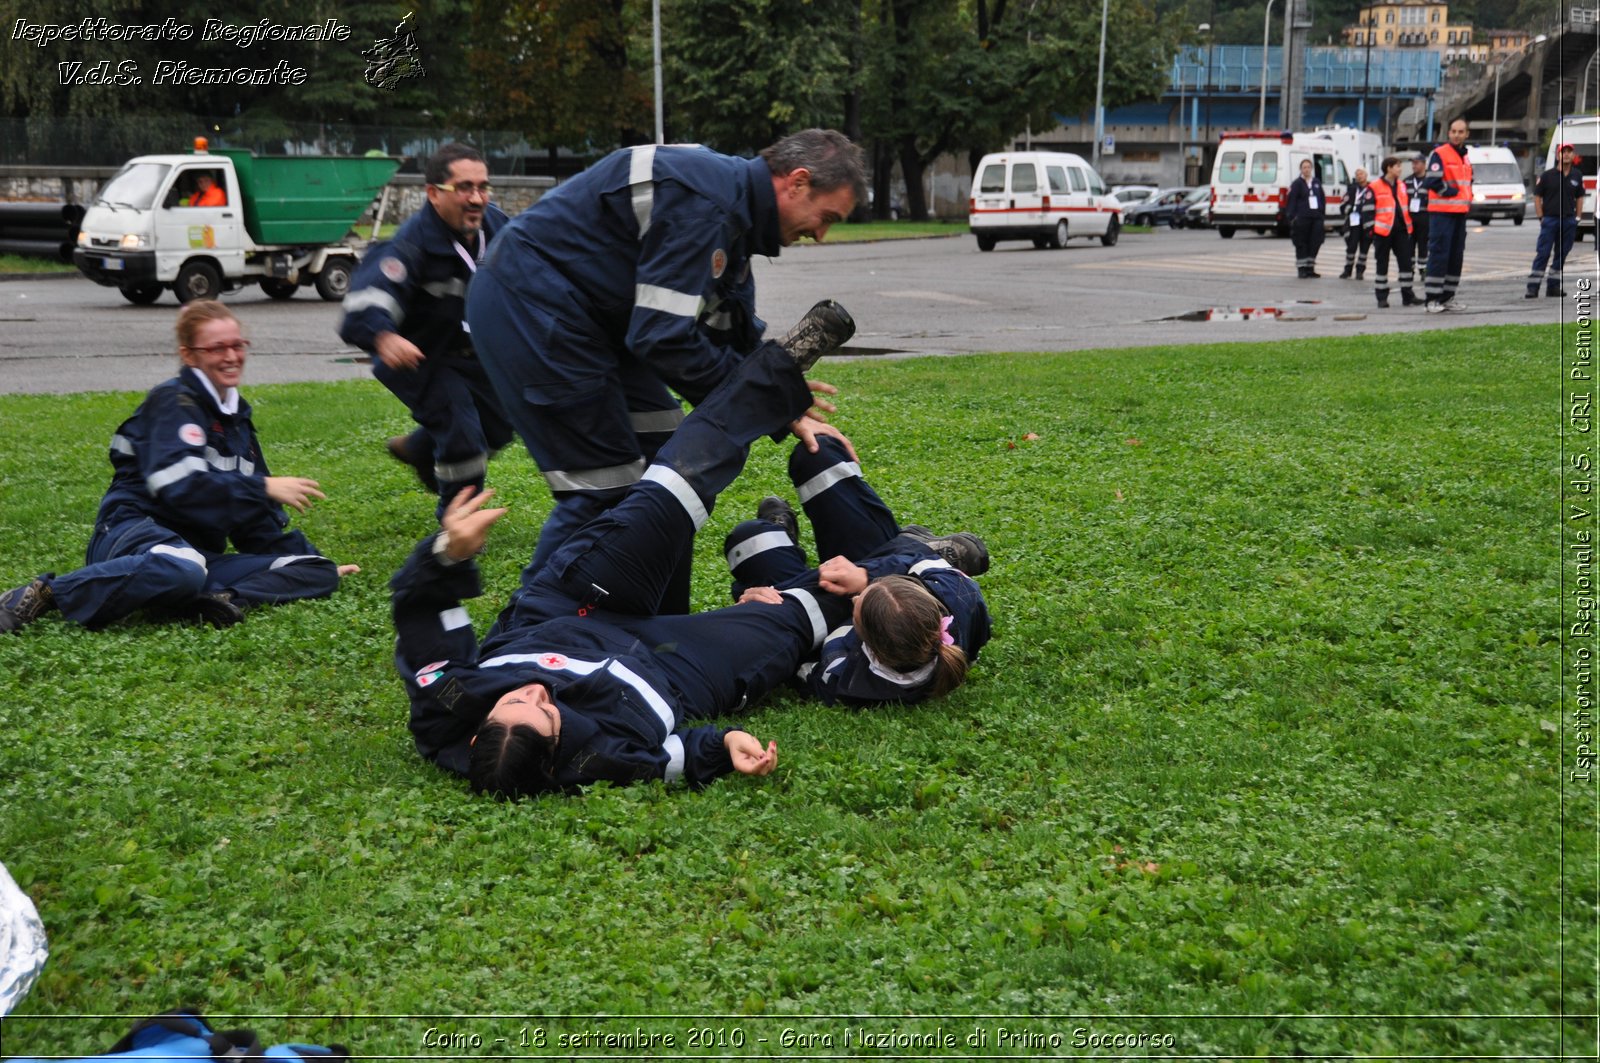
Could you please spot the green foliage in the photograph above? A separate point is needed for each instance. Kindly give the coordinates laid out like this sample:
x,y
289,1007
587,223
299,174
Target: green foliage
x,y
1263,732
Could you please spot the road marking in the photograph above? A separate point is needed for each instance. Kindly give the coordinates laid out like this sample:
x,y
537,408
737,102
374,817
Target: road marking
x,y
937,297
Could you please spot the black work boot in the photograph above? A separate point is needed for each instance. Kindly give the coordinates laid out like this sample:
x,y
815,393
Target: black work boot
x,y
775,510
422,465
825,328
963,550
1361,273
217,609
1408,297
1346,274
1383,302
21,606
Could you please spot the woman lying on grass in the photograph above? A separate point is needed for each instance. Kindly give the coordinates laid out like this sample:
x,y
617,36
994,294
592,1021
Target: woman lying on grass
x,y
187,477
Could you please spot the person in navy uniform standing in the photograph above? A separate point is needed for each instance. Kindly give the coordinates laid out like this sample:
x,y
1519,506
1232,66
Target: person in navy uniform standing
x,y
580,681
1357,209
632,278
1557,201
1305,210
893,572
1449,185
407,308
1417,203
188,477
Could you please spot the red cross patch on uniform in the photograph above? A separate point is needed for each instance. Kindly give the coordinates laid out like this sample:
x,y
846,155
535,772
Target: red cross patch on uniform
x,y
719,263
192,434
393,268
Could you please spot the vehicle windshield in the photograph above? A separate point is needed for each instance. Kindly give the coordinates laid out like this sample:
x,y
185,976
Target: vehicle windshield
x,y
135,185
1497,173
1198,195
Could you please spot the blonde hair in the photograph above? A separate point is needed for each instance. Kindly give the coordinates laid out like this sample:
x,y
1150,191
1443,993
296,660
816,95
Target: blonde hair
x,y
195,314
901,622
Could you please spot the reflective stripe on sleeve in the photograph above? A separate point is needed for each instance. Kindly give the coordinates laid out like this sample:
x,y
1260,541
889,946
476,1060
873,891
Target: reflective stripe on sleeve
x,y
453,619
666,300
826,479
367,298
813,613
121,445
446,288
674,749
289,559
655,420
668,477
182,553
603,479
456,471
193,463
933,562
757,544
641,168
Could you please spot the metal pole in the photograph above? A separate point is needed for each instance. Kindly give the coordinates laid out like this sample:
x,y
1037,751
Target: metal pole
x,y
1494,122
1266,26
1099,88
655,40
1366,78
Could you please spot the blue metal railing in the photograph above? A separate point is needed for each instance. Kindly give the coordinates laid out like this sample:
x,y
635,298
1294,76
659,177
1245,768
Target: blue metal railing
x,y
1237,68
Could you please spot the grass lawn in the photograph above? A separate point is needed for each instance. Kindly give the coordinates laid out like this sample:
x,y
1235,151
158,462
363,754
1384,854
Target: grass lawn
x,y
32,264
1264,757
856,232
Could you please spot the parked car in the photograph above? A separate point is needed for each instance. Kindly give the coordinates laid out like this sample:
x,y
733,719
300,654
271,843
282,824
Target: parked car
x,y
1159,209
1196,212
1128,195
1044,196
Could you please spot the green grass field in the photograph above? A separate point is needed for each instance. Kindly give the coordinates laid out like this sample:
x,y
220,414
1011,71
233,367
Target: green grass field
x,y
1264,756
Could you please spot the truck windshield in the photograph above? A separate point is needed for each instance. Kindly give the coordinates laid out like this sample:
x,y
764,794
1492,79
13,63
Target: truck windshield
x,y
135,185
1496,173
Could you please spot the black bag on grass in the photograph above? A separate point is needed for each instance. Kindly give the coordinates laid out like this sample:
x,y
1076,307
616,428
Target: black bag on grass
x,y
183,1037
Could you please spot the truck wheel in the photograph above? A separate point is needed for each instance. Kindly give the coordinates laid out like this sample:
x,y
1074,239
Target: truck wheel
x,y
333,283
197,280
1112,232
142,294
985,243
1225,231
278,288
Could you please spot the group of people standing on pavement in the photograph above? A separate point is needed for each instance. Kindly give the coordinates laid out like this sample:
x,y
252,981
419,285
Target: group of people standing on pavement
x,y
568,325
1420,222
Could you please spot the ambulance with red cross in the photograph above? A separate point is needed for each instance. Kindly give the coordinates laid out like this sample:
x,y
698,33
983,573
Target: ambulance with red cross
x,y
1583,133
1252,172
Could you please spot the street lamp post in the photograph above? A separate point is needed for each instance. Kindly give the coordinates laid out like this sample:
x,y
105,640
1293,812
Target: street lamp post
x,y
1494,121
1266,25
655,42
1100,88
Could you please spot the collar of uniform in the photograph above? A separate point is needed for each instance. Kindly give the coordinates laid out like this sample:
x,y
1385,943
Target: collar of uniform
x,y
766,239
577,732
228,404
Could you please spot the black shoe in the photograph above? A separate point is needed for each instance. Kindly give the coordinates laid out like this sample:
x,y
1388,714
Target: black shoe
x,y
1531,293
21,606
1361,274
1408,298
1346,274
1383,303
217,609
963,550
1557,294
422,466
1314,275
825,328
775,510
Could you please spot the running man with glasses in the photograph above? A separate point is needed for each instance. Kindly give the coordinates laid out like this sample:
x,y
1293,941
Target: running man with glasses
x,y
407,308
187,478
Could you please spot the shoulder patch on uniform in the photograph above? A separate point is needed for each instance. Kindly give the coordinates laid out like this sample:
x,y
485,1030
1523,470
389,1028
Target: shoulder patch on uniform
x,y
393,268
192,434
428,674
719,263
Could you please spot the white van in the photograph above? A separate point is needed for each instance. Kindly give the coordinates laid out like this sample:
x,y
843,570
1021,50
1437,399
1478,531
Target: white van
x,y
1583,133
1497,188
1253,170
1044,196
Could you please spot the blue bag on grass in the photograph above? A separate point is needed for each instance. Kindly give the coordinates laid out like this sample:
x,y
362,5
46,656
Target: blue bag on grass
x,y
182,1036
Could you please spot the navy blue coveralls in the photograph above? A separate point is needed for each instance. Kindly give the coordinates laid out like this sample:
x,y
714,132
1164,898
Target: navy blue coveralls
x,y
624,681
1447,229
1558,194
630,278
1358,209
416,285
1417,193
186,479
1306,210
849,519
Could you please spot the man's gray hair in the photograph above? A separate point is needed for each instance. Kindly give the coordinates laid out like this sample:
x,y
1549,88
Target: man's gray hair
x,y
826,154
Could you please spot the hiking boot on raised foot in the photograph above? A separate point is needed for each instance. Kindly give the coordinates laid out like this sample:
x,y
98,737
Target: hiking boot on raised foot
x,y
963,550
21,606
217,609
422,465
825,328
775,510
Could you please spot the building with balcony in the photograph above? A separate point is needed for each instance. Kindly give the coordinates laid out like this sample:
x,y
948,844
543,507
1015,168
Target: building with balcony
x,y
1421,24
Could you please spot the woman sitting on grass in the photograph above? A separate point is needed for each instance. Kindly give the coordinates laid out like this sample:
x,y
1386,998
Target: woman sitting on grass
x,y
919,617
187,477
578,682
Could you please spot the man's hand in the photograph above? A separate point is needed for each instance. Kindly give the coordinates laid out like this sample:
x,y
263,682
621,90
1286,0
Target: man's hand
x,y
295,492
768,595
397,352
821,406
348,570
841,576
808,428
744,749
466,523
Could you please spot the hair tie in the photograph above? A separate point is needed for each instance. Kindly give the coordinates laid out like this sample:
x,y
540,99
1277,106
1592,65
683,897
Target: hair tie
x,y
945,638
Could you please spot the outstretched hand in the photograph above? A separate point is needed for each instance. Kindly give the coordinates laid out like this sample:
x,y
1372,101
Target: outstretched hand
x,y
466,523
748,757
293,491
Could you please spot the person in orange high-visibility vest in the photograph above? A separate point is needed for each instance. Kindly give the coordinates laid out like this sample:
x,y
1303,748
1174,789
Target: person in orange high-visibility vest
x,y
1391,231
1449,184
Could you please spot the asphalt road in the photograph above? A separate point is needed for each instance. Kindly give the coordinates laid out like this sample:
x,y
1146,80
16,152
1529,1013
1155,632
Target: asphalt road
x,y
909,297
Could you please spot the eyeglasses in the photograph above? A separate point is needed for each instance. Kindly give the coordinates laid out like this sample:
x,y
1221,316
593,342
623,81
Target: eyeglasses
x,y
467,189
242,346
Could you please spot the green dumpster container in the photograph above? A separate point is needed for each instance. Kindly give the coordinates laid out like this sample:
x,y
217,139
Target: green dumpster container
x,y
306,199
